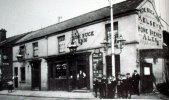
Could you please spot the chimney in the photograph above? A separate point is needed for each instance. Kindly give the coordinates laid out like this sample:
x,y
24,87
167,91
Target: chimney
x,y
2,35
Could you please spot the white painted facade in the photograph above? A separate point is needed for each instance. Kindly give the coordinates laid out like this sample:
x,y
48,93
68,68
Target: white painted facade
x,y
129,58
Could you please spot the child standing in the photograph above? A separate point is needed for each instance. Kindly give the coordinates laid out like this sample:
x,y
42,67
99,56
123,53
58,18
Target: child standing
x,y
10,85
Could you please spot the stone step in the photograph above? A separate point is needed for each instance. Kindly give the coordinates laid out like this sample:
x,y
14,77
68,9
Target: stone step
x,y
81,90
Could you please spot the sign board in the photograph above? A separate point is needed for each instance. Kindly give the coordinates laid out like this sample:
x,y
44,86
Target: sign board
x,y
146,70
149,28
97,57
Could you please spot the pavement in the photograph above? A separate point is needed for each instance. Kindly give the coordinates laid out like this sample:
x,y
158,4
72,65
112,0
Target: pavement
x,y
49,94
75,95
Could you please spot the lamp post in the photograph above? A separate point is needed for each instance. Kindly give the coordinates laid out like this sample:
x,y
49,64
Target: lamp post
x,y
112,37
119,40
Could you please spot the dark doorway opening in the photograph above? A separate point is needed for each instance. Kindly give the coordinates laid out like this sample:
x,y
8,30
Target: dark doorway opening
x,y
76,63
36,75
147,78
16,77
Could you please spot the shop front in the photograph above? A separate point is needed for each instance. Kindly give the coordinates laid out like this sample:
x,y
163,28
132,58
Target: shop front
x,y
63,71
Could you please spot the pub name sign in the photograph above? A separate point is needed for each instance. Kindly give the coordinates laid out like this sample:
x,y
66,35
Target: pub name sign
x,y
149,28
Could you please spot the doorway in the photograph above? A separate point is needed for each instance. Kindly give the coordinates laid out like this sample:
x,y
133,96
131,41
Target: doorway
x,y
36,75
16,77
80,62
147,78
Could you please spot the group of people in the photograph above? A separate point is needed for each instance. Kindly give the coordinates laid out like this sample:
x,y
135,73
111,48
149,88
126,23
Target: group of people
x,y
125,85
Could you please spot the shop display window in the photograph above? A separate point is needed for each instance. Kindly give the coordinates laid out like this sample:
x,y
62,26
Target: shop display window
x,y
60,70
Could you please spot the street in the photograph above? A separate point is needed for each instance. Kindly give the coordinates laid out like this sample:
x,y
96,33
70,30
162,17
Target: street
x,y
12,97
5,97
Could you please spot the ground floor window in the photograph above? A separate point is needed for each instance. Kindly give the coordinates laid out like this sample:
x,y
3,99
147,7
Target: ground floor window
x,y
58,70
63,72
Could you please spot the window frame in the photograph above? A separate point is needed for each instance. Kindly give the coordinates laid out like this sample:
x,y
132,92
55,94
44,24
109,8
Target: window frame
x,y
22,50
35,46
108,31
61,49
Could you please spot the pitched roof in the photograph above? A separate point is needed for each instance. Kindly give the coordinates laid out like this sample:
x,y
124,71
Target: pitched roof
x,y
119,8
12,40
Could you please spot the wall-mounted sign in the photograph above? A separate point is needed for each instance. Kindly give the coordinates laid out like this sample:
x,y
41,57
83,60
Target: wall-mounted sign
x,y
146,70
97,57
149,28
81,37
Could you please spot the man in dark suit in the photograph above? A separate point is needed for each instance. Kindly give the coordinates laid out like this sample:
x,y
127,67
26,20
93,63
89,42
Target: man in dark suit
x,y
128,85
104,87
135,81
95,86
111,87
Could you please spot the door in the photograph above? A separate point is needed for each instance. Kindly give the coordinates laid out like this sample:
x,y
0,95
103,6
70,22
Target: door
x,y
147,78
36,79
16,77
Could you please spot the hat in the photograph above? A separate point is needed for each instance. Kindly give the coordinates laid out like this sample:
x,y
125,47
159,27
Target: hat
x,y
128,74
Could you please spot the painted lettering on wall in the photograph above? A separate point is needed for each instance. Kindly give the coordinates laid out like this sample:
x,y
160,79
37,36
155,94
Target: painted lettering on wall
x,y
81,37
149,28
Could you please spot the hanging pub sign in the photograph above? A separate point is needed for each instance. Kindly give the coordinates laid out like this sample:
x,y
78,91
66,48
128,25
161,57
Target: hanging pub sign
x,y
149,28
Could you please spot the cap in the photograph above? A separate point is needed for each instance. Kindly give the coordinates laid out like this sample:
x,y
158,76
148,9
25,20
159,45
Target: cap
x,y
128,74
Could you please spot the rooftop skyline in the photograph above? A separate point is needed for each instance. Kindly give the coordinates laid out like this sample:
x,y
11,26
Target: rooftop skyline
x,y
21,16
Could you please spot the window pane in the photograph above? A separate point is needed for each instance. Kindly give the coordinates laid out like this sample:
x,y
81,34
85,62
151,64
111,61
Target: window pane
x,y
60,70
35,49
61,44
108,32
22,50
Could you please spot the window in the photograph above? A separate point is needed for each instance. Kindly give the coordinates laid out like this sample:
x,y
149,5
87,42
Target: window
x,y
35,49
61,44
22,74
108,31
22,50
60,70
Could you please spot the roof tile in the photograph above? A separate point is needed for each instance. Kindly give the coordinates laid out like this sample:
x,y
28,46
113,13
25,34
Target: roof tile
x,y
99,14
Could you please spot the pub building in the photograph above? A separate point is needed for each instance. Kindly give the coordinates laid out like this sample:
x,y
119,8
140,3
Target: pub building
x,y
43,61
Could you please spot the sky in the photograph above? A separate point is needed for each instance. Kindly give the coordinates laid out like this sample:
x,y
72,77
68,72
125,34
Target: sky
x,y
21,16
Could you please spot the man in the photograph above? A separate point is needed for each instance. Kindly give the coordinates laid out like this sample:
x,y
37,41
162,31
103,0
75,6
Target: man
x,y
104,87
111,87
119,85
136,79
95,86
81,79
128,85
